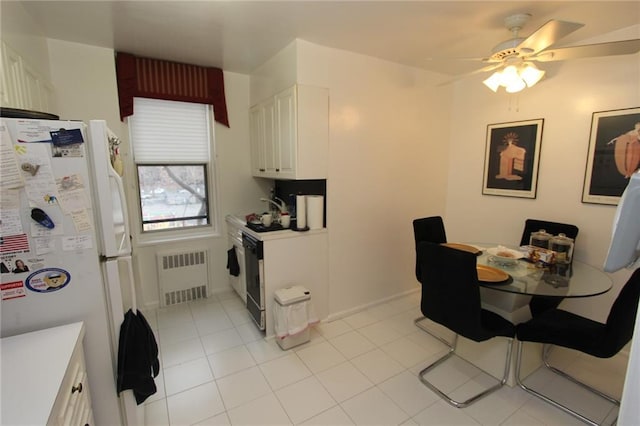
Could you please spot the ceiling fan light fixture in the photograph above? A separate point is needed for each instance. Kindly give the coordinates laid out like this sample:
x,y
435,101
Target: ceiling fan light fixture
x,y
494,82
515,86
531,74
510,76
514,78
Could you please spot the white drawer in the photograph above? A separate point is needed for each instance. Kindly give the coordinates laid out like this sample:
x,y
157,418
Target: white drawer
x,y
73,403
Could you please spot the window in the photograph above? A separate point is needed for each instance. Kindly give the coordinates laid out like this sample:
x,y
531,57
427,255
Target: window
x,y
171,149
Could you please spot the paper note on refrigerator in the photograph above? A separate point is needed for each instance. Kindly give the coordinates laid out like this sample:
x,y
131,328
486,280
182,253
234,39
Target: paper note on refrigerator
x,y
10,175
44,245
10,222
78,242
33,131
71,192
81,220
40,187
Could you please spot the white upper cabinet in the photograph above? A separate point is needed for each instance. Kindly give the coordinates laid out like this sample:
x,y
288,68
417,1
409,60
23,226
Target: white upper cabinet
x,y
21,86
290,134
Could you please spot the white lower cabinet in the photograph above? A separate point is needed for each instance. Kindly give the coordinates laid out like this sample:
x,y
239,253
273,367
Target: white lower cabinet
x,y
303,260
44,378
73,403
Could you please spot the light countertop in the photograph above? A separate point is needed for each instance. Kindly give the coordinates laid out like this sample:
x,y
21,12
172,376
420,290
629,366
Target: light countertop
x,y
235,220
33,367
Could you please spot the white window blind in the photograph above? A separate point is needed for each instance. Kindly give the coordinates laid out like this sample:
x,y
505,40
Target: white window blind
x,y
169,131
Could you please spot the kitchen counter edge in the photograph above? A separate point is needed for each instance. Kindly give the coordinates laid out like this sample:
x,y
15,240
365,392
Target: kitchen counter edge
x,y
271,235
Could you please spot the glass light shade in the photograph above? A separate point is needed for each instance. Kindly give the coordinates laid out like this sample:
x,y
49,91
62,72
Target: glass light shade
x,y
514,78
510,76
531,74
494,81
515,85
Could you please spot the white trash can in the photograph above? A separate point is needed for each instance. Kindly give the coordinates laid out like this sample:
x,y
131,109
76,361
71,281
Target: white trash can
x,y
292,316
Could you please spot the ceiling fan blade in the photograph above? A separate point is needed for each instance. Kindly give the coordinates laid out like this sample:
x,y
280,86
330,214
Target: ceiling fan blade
x,y
625,47
478,71
548,34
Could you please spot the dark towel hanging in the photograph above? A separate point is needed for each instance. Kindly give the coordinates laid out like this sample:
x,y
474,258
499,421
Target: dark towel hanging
x,y
232,262
138,360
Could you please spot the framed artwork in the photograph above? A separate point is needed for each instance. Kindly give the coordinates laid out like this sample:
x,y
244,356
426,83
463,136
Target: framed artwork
x,y
511,158
614,154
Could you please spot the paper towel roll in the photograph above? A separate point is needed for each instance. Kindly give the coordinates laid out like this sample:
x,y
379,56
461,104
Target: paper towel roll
x,y
301,211
315,211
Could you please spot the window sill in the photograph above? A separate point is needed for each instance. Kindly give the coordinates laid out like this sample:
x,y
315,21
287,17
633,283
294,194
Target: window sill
x,y
164,237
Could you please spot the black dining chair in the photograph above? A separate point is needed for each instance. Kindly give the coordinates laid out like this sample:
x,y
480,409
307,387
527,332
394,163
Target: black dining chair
x,y
451,298
540,304
428,229
562,328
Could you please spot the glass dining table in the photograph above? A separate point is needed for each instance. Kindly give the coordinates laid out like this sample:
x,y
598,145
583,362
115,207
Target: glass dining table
x,y
510,294
577,279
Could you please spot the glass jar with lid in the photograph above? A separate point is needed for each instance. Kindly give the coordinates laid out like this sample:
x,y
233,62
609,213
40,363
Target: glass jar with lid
x,y
540,239
563,246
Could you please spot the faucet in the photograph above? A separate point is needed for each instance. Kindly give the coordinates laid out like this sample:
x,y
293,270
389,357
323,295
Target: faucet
x,y
283,205
281,208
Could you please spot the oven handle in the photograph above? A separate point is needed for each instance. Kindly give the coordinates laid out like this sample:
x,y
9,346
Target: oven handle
x,y
253,245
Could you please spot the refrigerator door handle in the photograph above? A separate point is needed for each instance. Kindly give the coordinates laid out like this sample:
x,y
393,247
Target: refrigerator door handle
x,y
120,293
110,200
124,244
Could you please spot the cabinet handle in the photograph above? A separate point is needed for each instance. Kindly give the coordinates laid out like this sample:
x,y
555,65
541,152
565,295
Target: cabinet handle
x,y
277,170
262,170
78,388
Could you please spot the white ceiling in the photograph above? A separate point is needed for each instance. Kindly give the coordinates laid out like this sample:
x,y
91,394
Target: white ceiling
x,y
241,35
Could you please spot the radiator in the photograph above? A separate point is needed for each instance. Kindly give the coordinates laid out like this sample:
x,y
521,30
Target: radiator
x,y
182,277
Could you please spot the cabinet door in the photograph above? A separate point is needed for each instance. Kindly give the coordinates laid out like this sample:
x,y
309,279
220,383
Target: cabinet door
x,y
73,403
31,89
4,82
270,147
13,76
286,140
21,86
256,136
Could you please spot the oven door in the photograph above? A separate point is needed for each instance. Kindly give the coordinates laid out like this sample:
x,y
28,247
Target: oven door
x,y
254,276
238,282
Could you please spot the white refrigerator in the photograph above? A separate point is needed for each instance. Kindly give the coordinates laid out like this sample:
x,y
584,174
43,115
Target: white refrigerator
x,y
65,249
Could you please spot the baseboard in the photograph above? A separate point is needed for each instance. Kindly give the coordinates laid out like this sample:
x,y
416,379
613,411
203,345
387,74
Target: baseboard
x,y
360,308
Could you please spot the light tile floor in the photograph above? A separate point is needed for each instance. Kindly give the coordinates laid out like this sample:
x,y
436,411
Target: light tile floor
x,y
217,369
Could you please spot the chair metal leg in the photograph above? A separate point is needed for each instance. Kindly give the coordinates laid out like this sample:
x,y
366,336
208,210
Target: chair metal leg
x,y
545,355
545,359
418,323
452,348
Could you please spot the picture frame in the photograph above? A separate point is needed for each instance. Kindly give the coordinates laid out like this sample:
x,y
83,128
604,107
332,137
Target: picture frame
x,y
614,153
512,157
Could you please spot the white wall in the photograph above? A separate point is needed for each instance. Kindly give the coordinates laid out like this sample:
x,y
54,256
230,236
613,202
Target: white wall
x,y
566,99
387,165
386,151
85,81
275,75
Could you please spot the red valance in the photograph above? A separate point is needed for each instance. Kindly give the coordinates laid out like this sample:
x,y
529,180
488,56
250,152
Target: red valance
x,y
173,81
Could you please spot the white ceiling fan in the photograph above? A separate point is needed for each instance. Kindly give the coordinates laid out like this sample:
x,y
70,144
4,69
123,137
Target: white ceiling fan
x,y
514,58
